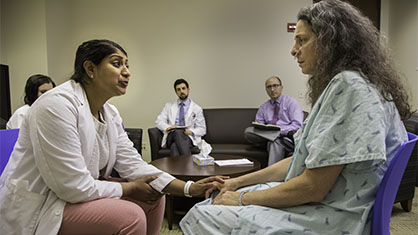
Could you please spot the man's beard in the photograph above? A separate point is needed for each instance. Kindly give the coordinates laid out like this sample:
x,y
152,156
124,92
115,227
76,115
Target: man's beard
x,y
183,96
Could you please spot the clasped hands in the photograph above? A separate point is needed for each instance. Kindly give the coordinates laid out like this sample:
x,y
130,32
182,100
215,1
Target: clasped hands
x,y
227,195
141,190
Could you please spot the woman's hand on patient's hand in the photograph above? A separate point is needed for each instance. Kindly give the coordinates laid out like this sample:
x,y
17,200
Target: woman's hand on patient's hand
x,y
228,198
207,184
140,190
228,185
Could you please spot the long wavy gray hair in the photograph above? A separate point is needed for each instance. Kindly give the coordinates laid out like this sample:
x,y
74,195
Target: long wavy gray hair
x,y
348,40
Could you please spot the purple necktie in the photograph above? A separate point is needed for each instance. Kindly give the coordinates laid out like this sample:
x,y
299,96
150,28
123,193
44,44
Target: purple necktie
x,y
276,113
181,115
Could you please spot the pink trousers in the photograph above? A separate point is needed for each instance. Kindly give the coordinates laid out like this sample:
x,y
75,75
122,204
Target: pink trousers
x,y
113,216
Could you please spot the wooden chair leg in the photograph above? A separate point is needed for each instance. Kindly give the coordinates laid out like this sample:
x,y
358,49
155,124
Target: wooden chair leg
x,y
407,205
169,210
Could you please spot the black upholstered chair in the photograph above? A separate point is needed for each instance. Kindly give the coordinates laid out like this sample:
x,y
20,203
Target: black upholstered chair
x,y
224,131
409,180
135,135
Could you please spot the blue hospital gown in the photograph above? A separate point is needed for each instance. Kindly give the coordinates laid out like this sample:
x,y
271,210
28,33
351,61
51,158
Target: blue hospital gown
x,y
349,124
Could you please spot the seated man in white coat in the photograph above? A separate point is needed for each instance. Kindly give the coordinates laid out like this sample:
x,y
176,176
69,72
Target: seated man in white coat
x,y
181,121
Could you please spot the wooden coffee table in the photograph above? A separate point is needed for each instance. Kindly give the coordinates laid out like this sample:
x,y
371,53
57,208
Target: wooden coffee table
x,y
183,167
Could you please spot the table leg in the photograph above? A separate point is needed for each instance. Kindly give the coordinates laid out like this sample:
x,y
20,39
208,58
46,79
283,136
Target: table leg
x,y
169,210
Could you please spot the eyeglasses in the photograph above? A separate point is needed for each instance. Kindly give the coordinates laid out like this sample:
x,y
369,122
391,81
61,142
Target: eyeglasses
x,y
273,86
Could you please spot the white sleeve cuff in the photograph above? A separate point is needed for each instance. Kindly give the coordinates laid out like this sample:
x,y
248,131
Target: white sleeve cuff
x,y
162,181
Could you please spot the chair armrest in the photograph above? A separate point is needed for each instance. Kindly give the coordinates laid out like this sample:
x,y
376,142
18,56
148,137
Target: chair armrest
x,y
155,138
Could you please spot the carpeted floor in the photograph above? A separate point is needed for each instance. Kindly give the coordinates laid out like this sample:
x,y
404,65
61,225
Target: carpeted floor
x,y
401,223
405,223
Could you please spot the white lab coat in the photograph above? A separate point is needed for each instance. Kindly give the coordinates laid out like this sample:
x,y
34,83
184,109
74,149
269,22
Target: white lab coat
x,y
193,118
48,165
17,118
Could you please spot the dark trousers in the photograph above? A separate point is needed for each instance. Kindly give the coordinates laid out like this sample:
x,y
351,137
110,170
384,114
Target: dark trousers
x,y
179,143
277,146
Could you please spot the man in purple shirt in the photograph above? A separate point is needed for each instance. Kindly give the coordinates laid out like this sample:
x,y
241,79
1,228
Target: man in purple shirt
x,y
280,110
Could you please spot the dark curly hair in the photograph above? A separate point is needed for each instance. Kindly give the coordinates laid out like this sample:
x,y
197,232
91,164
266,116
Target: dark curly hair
x,y
32,85
348,40
95,51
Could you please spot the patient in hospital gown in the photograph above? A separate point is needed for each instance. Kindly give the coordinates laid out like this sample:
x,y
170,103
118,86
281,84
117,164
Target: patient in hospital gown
x,y
351,125
343,148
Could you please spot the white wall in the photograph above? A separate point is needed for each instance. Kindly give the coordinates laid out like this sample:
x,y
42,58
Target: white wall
x,y
225,49
23,43
2,35
399,21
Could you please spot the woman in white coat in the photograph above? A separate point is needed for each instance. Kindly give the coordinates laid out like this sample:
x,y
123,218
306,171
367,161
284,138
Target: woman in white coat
x,y
36,85
57,180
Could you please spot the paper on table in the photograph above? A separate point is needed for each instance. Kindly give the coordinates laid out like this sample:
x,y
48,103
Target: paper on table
x,y
234,162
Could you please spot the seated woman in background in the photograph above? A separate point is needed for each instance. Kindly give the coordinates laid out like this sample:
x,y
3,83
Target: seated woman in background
x,y
57,180
36,85
343,148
